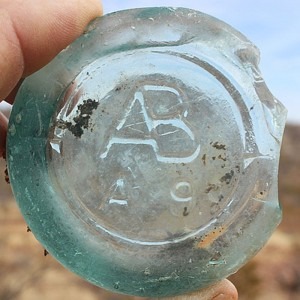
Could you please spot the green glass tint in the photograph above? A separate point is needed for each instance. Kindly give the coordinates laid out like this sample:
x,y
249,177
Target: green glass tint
x,y
144,157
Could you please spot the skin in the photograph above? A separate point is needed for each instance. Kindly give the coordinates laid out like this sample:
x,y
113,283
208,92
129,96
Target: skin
x,y
26,47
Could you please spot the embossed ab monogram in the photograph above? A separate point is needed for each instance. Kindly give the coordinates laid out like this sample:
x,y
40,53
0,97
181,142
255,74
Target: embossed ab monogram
x,y
156,117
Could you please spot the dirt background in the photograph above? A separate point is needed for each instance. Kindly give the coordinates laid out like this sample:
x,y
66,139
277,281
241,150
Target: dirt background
x,y
25,273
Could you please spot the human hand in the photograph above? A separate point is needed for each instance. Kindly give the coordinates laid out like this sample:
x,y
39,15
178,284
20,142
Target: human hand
x,y
32,33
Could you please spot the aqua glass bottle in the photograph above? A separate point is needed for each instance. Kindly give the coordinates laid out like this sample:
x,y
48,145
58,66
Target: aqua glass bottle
x,y
144,157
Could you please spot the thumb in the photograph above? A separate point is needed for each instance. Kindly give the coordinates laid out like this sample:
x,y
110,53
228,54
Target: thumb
x,y
32,32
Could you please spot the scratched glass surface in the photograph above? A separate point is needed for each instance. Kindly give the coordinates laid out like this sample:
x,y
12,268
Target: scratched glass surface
x,y
157,152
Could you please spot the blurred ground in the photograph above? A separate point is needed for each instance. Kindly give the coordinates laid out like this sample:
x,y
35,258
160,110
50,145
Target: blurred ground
x,y
25,274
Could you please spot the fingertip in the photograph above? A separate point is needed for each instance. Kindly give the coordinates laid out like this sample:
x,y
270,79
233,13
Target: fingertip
x,y
223,290
62,23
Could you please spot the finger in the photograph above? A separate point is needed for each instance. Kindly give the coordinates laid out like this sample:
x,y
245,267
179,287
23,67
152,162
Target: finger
x,y
32,32
223,290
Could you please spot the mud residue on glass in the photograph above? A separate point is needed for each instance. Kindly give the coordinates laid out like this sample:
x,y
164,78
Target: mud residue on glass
x,y
82,120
